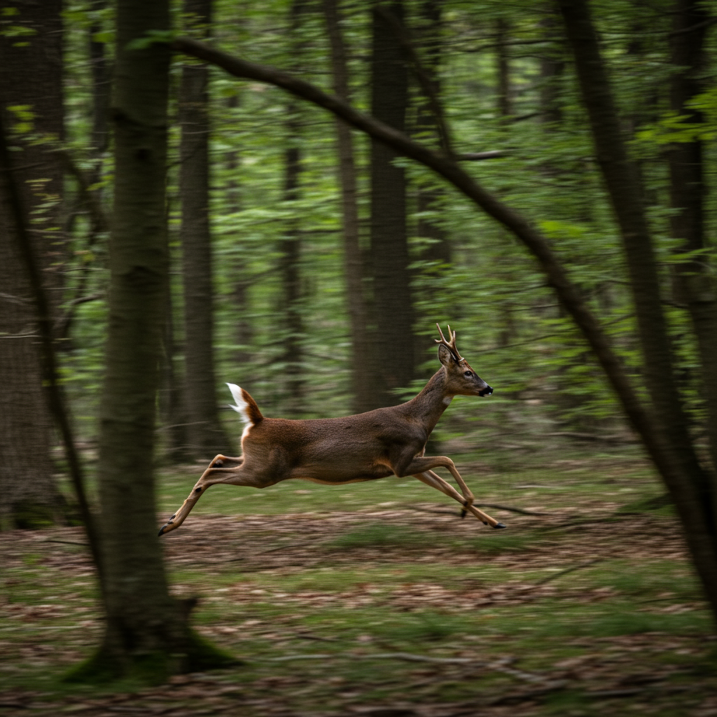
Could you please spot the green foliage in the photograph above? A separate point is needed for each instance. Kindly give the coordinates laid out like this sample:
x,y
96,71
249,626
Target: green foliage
x,y
509,323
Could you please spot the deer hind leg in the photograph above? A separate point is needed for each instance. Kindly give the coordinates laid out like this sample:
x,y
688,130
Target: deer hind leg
x,y
222,469
424,464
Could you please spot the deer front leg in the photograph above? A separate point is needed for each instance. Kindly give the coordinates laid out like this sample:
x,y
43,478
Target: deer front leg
x,y
435,481
424,464
218,463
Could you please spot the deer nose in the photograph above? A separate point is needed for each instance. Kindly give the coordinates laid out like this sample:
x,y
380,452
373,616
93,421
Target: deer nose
x,y
486,391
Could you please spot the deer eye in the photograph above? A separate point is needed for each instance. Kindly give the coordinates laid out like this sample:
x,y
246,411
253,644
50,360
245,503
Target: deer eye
x,y
468,373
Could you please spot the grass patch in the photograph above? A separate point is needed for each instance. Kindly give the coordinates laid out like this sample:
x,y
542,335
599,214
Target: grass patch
x,y
379,535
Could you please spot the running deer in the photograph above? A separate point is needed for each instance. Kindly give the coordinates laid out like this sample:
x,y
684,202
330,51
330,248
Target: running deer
x,y
367,446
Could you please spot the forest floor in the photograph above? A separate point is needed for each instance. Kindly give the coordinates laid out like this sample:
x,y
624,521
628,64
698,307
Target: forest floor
x,y
376,600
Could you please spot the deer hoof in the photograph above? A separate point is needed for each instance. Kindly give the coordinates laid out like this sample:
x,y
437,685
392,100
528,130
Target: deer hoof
x,y
499,525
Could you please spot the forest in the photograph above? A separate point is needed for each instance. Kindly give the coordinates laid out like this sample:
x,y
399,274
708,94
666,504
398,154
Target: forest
x,y
301,197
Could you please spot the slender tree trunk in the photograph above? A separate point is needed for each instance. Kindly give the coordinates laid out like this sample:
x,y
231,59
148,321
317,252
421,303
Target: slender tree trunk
x,y
243,329
290,244
689,484
204,429
389,237
30,82
11,209
99,66
695,283
552,68
504,108
290,269
364,386
430,198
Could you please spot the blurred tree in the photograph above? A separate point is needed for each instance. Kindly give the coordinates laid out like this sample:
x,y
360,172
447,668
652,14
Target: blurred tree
x,y
205,434
365,391
31,102
290,244
430,123
391,286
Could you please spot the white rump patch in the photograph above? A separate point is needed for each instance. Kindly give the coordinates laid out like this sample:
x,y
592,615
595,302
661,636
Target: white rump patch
x,y
242,407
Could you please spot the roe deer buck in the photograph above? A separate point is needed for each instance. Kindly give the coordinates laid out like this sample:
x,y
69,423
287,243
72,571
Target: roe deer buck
x,y
367,446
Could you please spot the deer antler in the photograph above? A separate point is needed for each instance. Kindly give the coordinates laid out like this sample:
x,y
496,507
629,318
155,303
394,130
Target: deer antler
x,y
450,346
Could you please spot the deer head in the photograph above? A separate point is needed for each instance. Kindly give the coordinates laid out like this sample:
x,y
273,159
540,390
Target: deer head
x,y
461,379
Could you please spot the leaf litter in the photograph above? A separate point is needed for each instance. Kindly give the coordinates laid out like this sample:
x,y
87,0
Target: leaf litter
x,y
277,592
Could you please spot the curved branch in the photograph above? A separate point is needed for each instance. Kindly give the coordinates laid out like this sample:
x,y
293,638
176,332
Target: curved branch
x,y
533,240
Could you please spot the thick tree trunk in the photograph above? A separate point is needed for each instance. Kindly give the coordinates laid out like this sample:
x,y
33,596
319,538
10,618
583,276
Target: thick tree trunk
x,y
146,631
204,429
389,237
30,78
689,484
364,385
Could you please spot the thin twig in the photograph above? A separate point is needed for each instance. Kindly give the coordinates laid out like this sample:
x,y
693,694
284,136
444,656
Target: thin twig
x,y
496,506
555,576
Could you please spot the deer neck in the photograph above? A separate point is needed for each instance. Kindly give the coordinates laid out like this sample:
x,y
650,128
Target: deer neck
x,y
428,406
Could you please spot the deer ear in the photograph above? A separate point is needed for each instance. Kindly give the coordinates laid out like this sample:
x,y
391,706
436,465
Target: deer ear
x,y
445,356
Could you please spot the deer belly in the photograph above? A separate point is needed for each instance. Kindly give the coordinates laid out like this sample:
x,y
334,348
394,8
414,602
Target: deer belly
x,y
342,474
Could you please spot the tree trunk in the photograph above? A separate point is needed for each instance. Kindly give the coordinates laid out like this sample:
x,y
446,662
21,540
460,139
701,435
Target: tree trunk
x,y
695,284
242,356
290,244
389,238
204,429
689,484
430,198
364,386
504,104
30,78
146,632
100,88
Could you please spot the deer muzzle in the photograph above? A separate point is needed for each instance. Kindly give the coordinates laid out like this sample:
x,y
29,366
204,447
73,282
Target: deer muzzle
x,y
485,391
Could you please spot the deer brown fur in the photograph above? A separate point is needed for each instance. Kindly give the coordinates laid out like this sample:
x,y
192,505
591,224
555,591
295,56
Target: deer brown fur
x,y
366,446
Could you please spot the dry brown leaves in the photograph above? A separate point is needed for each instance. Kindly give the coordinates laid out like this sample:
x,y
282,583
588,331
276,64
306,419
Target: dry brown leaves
x,y
609,670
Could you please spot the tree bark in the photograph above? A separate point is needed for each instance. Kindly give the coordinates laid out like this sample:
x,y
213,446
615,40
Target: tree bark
x,y
30,77
205,433
11,200
364,386
392,300
146,633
